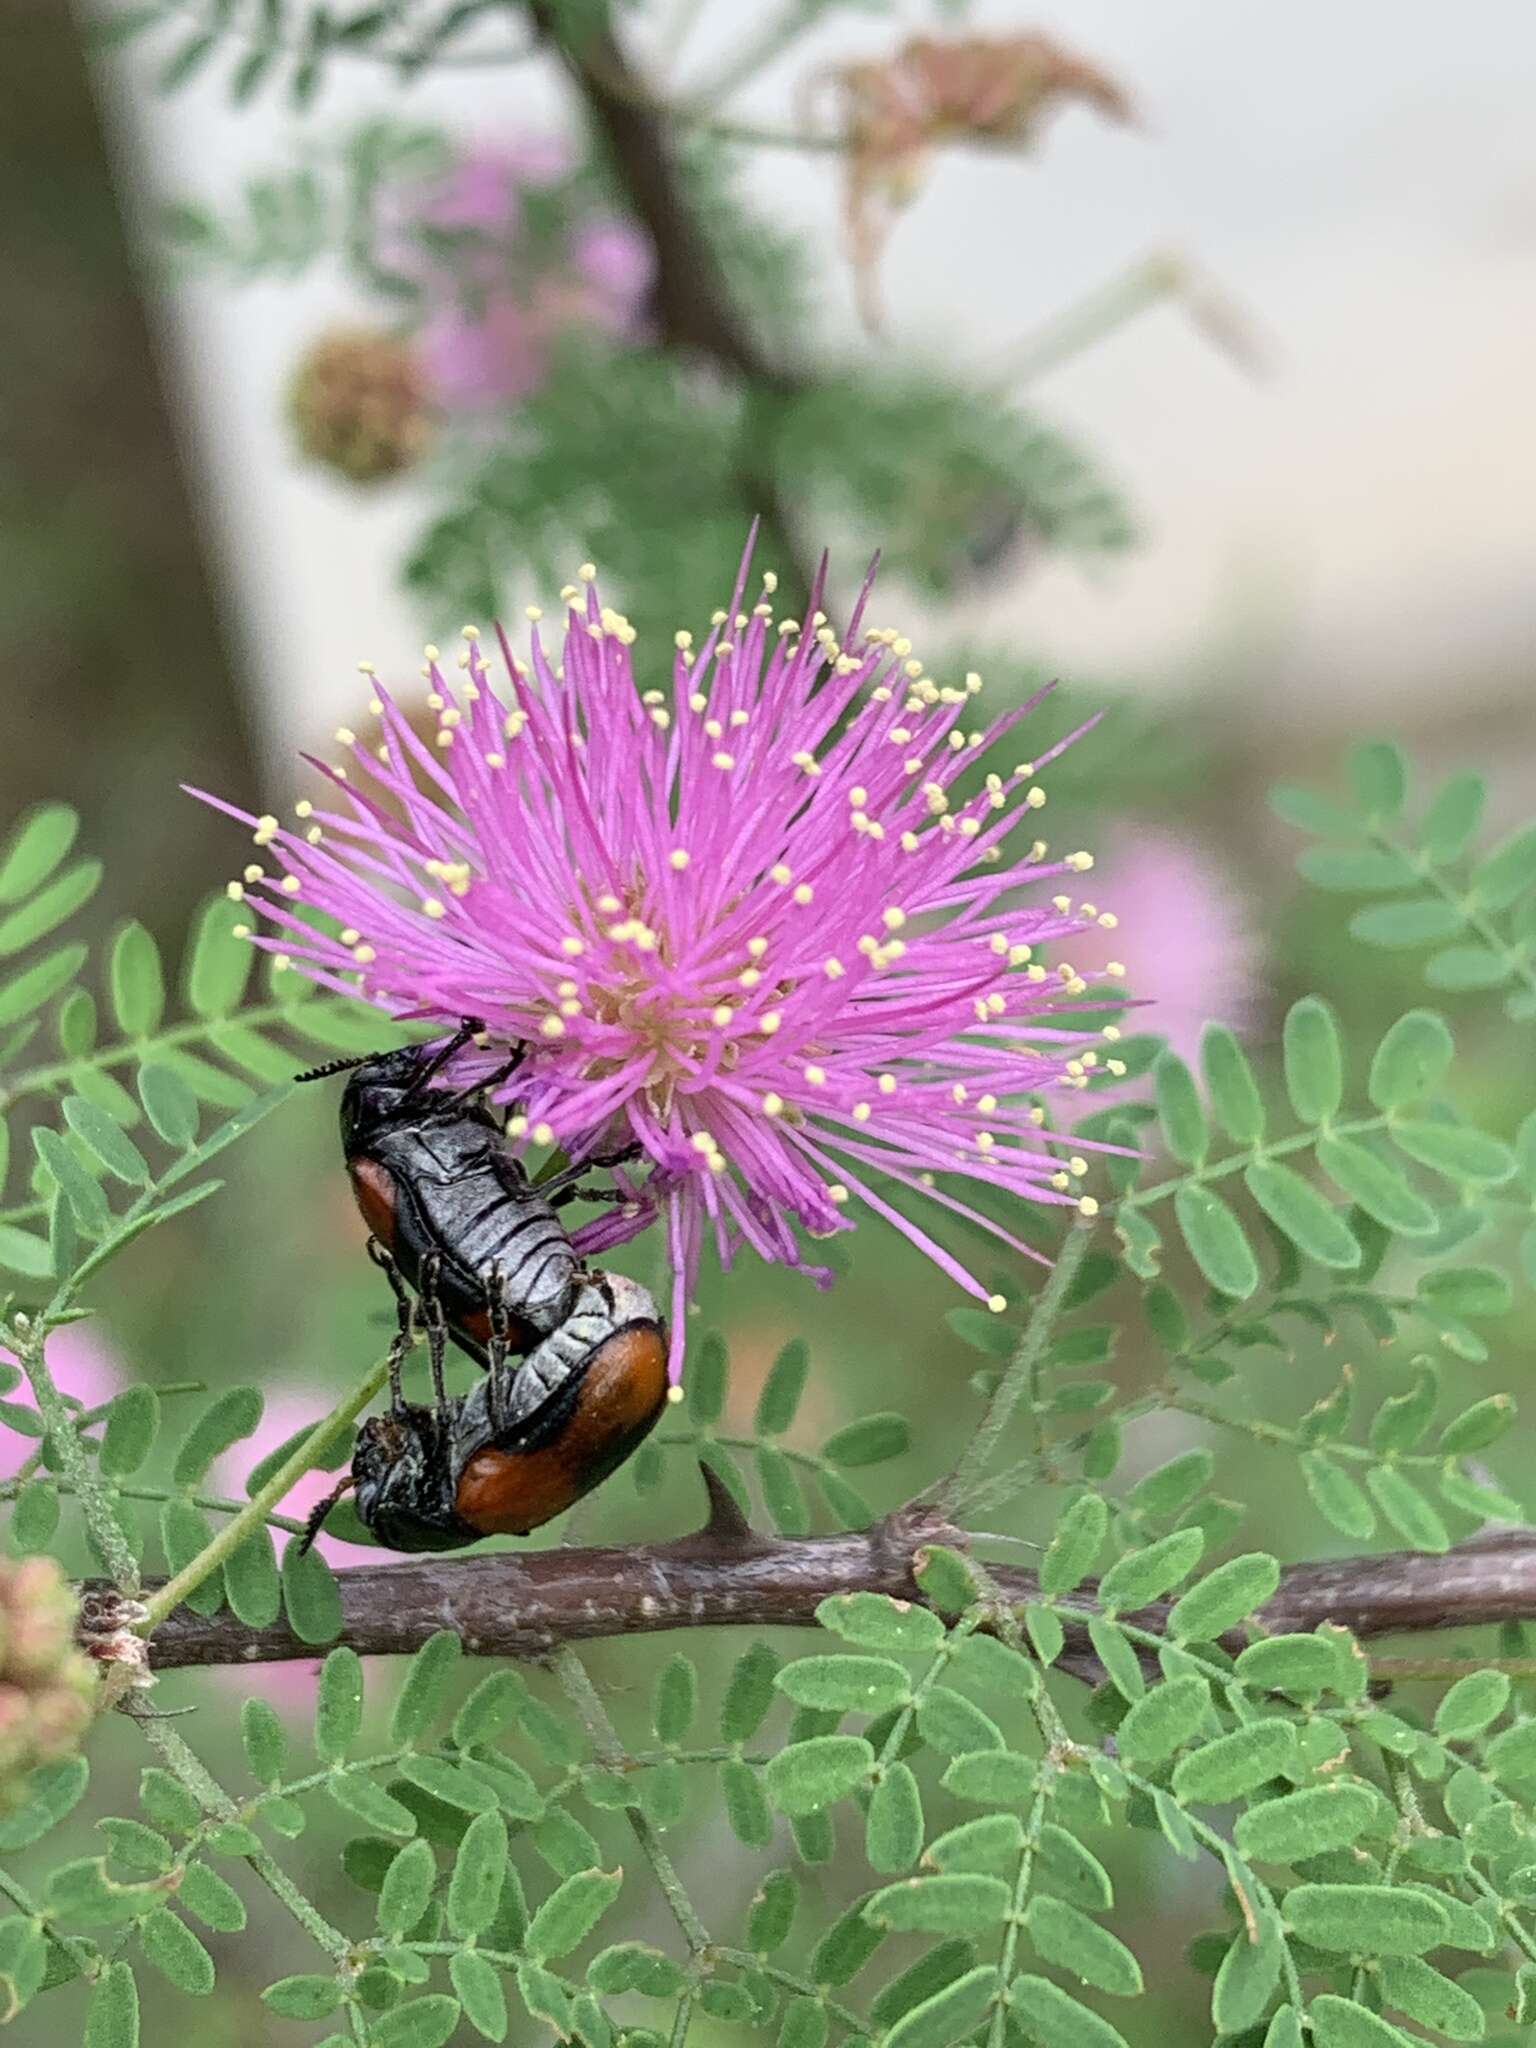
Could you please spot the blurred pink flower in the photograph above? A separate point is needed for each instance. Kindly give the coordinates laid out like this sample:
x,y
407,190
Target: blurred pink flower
x,y
83,1365
1183,933
503,300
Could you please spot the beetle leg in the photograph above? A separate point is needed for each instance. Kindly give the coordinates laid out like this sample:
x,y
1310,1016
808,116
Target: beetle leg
x,y
570,1177
405,1334
321,1509
579,1194
500,1344
485,1085
437,1327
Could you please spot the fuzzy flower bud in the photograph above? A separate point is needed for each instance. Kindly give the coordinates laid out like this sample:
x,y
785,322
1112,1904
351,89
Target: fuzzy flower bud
x,y
359,404
46,1682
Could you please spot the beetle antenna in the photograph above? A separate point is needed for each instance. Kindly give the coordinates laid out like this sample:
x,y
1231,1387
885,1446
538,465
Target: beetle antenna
x,y
341,1066
445,1052
320,1510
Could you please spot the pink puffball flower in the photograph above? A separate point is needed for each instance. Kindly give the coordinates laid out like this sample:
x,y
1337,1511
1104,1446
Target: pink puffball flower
x,y
764,919
83,1366
1191,953
503,300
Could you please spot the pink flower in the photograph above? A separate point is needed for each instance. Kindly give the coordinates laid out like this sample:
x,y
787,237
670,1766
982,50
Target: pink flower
x,y
765,920
1186,945
505,296
83,1366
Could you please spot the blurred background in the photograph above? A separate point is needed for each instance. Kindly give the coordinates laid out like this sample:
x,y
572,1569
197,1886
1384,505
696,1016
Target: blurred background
x,y
1179,353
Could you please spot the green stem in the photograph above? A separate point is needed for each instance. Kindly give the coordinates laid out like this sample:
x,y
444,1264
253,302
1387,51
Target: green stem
x,y
608,1749
998,2025
254,1513
743,1959
1020,1373
1100,313
60,1422
1394,1670
1141,1198
125,1489
218,1805
80,1953
1465,906
38,1080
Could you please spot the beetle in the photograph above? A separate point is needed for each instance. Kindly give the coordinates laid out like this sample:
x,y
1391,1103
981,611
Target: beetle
x,y
447,1200
527,1441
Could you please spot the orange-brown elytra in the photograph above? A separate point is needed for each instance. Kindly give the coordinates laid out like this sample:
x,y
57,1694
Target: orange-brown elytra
x,y
507,1492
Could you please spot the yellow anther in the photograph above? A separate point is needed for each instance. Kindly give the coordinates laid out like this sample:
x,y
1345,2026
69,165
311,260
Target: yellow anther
x,y
434,906
837,1194
290,885
1082,862
363,955
1087,1206
235,891
781,874
266,830
769,1022
887,1084
721,1015
773,1105
588,572
679,858
345,736
722,760
553,1027
833,968
749,977
802,893
997,1303
817,1076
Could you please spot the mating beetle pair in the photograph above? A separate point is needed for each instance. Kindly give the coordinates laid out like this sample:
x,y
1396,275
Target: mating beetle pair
x,y
574,1359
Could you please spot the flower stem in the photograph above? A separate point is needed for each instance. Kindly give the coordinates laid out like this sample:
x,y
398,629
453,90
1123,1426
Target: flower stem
x,y
60,1422
1022,1372
254,1513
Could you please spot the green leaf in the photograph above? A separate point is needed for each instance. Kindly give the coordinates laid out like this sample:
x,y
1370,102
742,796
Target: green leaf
x,y
708,1370
1164,1719
1411,1059
265,1740
1230,1083
308,1997
1298,1664
137,982
570,1913
425,1686
50,907
1234,1765
112,2020
948,2016
251,1583
176,1952
1511,1756
1468,1290
311,1595
1224,1597
1215,1240
893,1823
1336,1496
34,1517
1308,812
1468,967
1118,1656
1075,1545
877,1622
846,1946
1365,1919
1458,1153
634,1966
677,1696
749,1693
772,1912
219,964
780,1488
950,1904
782,1388
949,1723
992,1777
27,992
1478,1426
1053,2018
810,1775
1417,921
1409,1513
1508,871
746,1803
1143,1575
1247,1977
408,1885
133,1421
1377,1185
1300,1213
1306,1823
1068,1938
1045,1632
217,1904
106,1139
1355,869
87,1203
423,2023
1380,777
990,1845
870,1441
492,1706
339,1704
367,1802
38,842
1185,1130
169,1104
1415,1988
1471,1705
223,1422
845,1684
185,1531
1453,818
21,1252
478,1987
52,1791
457,1786
1343,2023
1314,1060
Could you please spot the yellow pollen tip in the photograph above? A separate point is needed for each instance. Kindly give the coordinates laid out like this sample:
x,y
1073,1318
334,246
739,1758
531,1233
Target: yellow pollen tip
x,y
516,1126
674,1395
722,760
678,859
1115,969
345,736
802,893
289,885
773,1105
553,1027
241,931
887,1084
1087,1206
434,906
235,891
837,1193
721,1015
781,874
893,919
543,1134
363,955
769,1022
997,1303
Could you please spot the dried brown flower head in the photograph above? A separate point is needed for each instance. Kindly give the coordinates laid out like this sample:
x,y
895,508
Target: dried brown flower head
x,y
359,403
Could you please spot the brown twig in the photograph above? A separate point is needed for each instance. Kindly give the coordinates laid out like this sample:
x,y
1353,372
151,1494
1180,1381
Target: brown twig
x,y
728,1576
693,306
